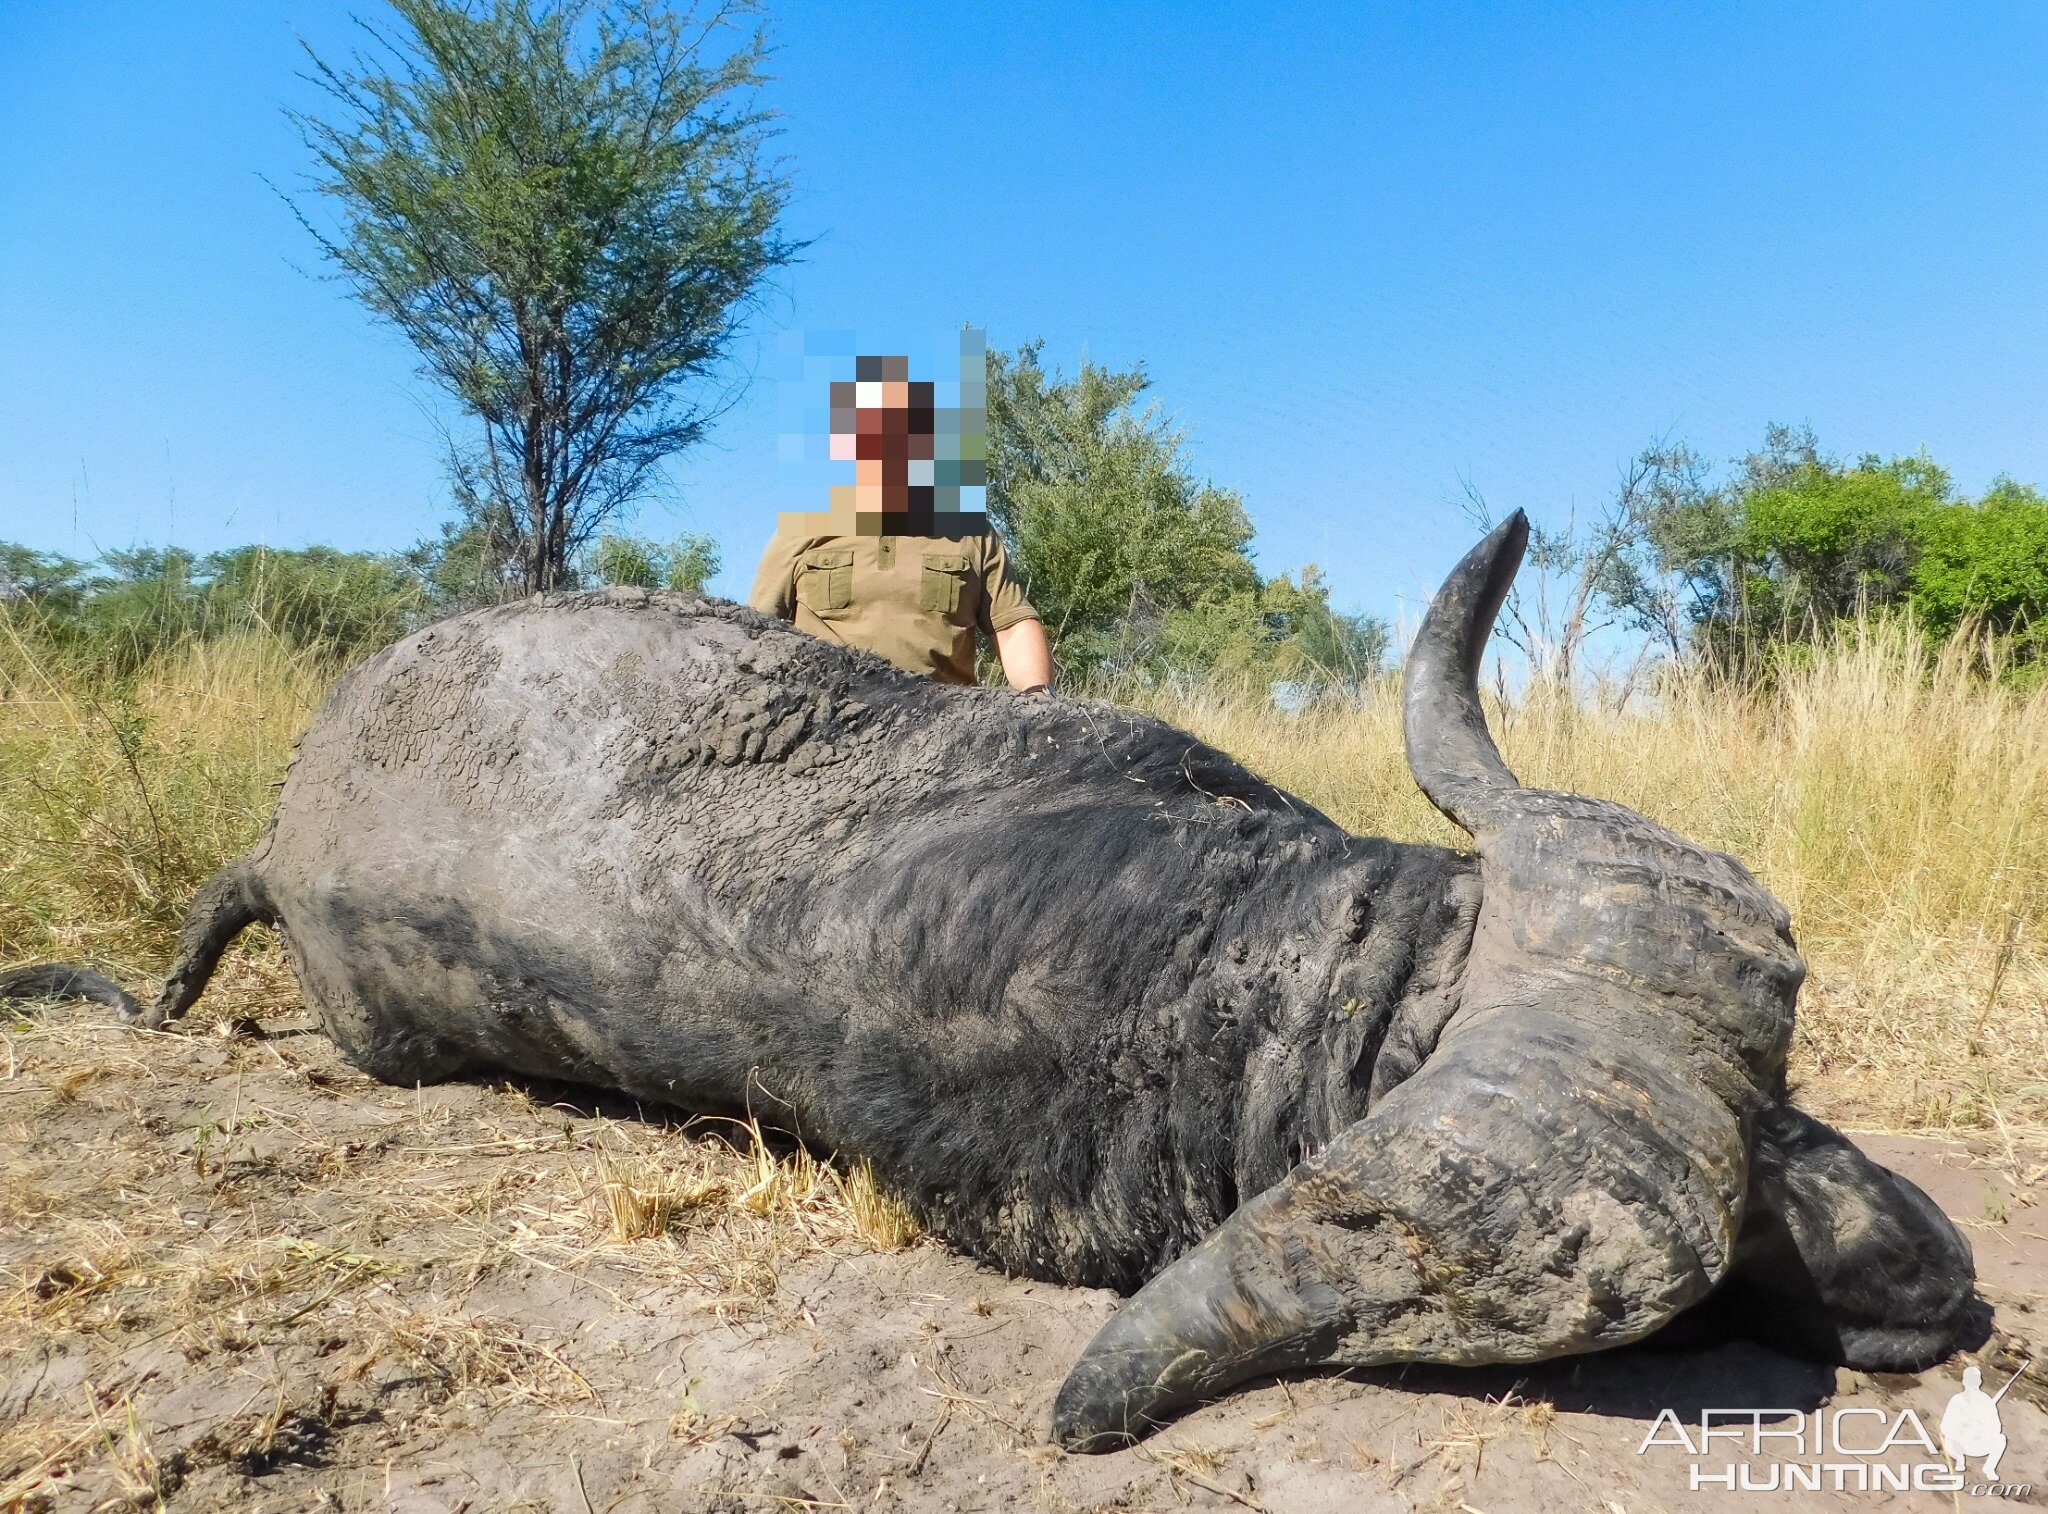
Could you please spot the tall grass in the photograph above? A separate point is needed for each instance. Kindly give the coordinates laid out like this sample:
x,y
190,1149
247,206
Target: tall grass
x,y
1895,799
119,796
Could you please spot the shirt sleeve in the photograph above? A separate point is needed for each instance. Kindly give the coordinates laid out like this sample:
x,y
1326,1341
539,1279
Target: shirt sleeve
x,y
774,591
1002,601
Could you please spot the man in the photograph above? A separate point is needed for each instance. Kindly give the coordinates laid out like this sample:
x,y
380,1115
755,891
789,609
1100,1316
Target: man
x,y
888,568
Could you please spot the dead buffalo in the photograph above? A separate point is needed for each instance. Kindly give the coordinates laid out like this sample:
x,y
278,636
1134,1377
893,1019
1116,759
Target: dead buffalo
x,y
1103,1007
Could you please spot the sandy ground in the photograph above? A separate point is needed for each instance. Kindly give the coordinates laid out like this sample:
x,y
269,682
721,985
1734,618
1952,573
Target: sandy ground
x,y
235,1274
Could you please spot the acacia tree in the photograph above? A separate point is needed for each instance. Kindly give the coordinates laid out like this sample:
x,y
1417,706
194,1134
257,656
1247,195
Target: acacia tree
x,y
565,206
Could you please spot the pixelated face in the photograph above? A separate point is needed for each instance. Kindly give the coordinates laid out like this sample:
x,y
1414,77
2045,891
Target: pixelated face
x,y
882,423
919,455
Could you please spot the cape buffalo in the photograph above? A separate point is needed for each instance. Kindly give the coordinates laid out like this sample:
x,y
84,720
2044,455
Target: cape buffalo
x,y
1102,1006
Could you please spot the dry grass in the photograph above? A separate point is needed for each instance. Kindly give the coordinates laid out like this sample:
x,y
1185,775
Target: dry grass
x,y
252,1208
1891,797
819,1199
641,1195
639,1198
468,1354
116,802
878,1218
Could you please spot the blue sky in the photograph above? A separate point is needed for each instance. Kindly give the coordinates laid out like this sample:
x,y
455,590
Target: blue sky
x,y
1367,253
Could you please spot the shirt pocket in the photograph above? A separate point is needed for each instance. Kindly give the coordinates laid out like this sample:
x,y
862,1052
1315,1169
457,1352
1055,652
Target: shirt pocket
x,y
943,585
824,579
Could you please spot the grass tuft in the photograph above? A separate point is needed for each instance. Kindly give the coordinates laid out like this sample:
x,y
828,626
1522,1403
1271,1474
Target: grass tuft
x,y
638,1197
880,1220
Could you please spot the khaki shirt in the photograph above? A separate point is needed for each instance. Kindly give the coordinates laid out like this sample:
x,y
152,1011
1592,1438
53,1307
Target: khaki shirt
x,y
915,600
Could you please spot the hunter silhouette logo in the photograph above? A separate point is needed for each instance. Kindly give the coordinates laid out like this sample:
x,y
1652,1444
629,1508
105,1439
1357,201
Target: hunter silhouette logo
x,y
1969,1425
1855,1448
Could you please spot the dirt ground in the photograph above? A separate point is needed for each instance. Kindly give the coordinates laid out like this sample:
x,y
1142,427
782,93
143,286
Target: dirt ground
x,y
236,1274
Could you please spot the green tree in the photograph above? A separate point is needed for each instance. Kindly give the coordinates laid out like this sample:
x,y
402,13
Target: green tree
x,y
1988,561
347,603
1793,541
1673,537
1137,565
48,581
113,616
1318,644
1284,633
474,560
1832,540
1110,529
138,603
565,206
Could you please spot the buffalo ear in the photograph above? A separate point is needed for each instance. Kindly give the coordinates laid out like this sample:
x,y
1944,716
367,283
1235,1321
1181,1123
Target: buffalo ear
x,y
1843,1261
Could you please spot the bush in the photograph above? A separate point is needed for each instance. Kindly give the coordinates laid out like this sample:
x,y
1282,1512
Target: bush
x,y
688,562
1834,539
1987,561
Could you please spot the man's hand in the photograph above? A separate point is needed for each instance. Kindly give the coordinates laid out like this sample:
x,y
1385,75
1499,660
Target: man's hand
x,y
1026,655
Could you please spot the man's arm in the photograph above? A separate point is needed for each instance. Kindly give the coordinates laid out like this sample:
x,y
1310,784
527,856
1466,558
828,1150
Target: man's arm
x,y
1026,654
1007,616
774,590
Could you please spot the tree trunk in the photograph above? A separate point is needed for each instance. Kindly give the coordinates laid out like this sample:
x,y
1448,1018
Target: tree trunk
x,y
533,480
